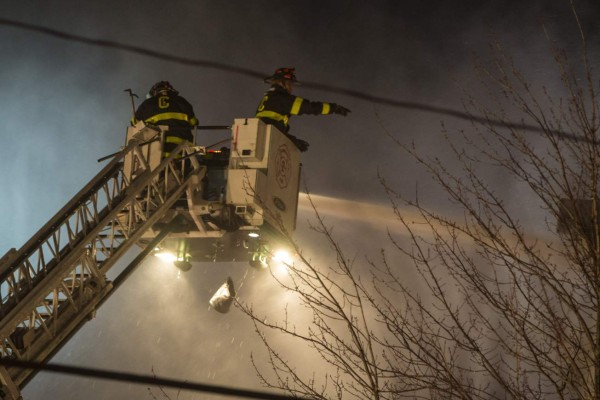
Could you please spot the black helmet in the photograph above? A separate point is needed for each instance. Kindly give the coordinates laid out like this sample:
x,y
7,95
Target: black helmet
x,y
162,86
285,73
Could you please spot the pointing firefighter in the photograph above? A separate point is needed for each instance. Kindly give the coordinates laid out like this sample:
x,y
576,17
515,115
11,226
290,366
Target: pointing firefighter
x,y
165,106
279,104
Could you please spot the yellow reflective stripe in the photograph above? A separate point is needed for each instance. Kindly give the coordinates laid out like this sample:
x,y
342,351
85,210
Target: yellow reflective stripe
x,y
170,115
174,139
271,115
296,106
167,154
326,108
194,121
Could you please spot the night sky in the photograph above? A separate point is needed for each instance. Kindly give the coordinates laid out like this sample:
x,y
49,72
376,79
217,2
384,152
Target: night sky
x,y
63,106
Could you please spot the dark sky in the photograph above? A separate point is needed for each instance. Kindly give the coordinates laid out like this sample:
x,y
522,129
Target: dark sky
x,y
63,107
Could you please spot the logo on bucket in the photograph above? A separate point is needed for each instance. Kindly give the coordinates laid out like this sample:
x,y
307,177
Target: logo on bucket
x,y
283,167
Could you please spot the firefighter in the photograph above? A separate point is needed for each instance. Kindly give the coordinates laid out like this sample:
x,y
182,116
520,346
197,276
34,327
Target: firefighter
x,y
279,104
164,106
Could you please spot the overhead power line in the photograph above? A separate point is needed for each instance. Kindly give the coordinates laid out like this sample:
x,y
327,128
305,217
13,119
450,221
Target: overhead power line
x,y
130,48
145,379
257,74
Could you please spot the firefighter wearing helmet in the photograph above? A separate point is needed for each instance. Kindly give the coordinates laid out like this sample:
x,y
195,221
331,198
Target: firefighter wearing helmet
x,y
164,106
279,104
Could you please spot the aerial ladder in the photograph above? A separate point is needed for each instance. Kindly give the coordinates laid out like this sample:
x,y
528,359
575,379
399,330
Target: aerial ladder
x,y
232,204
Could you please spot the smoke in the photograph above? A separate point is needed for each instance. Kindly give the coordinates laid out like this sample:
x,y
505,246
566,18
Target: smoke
x,y
64,107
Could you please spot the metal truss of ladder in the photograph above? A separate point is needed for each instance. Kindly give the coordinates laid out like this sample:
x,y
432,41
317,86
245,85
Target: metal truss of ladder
x,y
54,283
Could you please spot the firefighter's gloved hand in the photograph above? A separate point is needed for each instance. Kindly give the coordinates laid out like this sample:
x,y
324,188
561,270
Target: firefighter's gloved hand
x,y
301,144
337,109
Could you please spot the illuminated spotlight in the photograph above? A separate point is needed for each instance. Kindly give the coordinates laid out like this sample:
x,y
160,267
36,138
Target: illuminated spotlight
x,y
166,256
180,263
281,261
283,256
253,235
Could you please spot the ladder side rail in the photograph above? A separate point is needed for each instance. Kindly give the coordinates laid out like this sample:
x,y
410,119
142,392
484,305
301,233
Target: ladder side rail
x,y
23,278
50,227
77,305
73,222
55,314
31,267
44,250
22,377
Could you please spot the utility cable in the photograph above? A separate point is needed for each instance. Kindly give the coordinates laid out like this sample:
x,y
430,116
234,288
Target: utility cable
x,y
130,48
312,85
144,379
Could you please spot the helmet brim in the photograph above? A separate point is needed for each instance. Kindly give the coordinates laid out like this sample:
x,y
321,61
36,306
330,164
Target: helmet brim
x,y
272,79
